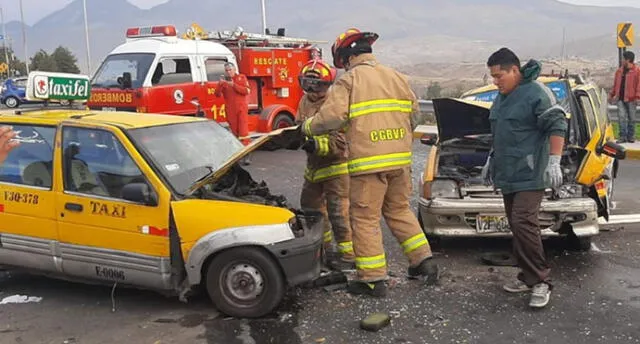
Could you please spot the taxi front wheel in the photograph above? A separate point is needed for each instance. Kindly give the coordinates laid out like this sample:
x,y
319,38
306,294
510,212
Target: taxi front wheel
x,y
245,282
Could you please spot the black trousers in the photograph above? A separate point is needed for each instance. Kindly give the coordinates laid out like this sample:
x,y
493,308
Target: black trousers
x,y
522,212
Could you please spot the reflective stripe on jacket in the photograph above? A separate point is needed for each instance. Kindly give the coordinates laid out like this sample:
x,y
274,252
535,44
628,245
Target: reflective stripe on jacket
x,y
328,161
374,104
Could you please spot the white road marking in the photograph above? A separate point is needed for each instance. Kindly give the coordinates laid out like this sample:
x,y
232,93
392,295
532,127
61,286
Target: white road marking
x,y
620,219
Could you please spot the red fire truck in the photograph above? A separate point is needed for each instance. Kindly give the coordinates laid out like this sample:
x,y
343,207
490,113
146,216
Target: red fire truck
x,y
158,72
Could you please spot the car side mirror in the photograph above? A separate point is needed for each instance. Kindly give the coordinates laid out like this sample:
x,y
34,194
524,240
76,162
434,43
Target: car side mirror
x,y
139,193
612,149
429,139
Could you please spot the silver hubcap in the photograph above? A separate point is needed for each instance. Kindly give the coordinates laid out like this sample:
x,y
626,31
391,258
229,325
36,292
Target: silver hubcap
x,y
11,102
244,282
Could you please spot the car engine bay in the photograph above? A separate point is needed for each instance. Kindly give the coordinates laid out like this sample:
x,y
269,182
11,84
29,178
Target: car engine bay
x,y
462,159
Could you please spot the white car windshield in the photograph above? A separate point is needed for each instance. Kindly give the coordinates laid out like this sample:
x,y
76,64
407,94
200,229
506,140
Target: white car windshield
x,y
186,152
114,67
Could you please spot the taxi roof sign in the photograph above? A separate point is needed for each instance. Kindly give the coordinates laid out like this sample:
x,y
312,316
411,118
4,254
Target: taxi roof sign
x,y
57,86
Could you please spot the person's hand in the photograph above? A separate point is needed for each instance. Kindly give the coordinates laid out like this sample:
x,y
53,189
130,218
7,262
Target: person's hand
x,y
553,173
486,172
6,144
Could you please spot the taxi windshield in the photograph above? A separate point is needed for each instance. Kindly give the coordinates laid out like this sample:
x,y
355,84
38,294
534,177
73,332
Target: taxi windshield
x,y
186,152
114,67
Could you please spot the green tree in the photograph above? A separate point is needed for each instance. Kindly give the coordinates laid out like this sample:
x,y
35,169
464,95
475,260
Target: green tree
x,y
14,63
43,62
434,90
65,60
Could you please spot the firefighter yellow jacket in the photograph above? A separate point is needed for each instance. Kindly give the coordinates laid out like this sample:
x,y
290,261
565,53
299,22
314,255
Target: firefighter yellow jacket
x,y
375,106
330,159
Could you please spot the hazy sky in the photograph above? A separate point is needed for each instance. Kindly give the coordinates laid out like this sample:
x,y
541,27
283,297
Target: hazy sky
x,y
35,10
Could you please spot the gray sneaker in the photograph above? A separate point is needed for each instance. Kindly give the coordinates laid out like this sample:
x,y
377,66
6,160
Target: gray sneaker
x,y
540,295
516,286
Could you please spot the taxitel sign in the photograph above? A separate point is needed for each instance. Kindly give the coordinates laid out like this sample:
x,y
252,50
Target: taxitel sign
x,y
58,86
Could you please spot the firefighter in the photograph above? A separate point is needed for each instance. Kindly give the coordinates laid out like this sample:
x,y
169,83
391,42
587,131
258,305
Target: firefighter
x,y
326,185
234,87
375,104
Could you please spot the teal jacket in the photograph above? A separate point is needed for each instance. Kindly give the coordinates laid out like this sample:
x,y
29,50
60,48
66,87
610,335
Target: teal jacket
x,y
521,123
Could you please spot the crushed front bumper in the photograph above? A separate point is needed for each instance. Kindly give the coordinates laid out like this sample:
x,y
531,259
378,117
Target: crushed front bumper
x,y
301,258
458,217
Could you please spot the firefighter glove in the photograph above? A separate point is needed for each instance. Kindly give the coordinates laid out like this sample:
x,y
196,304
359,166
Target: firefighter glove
x,y
553,173
309,146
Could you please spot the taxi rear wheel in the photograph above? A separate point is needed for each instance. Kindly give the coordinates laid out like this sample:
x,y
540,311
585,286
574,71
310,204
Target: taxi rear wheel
x,y
245,282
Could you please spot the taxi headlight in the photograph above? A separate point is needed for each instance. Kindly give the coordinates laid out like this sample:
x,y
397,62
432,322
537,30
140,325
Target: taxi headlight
x,y
570,191
445,188
296,227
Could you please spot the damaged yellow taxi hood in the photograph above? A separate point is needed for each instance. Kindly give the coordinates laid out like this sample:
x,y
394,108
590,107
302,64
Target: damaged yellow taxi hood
x,y
255,144
195,218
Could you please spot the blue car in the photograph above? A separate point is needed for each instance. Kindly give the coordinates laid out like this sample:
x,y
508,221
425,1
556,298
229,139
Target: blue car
x,y
13,93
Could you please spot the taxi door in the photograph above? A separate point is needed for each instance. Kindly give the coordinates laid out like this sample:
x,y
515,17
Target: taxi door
x,y
595,170
103,235
28,232
174,83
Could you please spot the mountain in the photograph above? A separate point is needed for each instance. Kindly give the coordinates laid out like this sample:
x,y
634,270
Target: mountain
x,y
411,31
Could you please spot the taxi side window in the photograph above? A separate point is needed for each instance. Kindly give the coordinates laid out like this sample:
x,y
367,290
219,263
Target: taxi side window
x,y
170,71
587,110
214,68
95,163
31,163
603,117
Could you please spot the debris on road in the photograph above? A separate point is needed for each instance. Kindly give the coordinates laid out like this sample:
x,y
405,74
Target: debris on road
x,y
375,322
20,299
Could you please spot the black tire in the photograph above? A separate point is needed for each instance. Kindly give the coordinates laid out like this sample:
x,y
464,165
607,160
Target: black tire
x,y
281,120
12,102
576,243
260,275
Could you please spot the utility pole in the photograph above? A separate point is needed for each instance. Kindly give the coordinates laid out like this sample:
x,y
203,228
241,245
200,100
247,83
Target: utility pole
x,y
86,34
264,18
564,38
24,39
4,45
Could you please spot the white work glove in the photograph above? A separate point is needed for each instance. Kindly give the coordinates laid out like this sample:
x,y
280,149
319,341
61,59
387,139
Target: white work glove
x,y
486,172
553,173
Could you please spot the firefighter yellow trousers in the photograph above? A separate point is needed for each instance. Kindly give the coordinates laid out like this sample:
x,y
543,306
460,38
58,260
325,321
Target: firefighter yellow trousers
x,y
331,197
385,193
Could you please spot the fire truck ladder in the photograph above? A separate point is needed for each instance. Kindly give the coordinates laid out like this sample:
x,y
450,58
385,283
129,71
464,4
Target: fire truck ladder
x,y
259,40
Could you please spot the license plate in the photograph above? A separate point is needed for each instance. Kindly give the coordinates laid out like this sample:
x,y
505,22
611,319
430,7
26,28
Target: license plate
x,y
492,224
108,108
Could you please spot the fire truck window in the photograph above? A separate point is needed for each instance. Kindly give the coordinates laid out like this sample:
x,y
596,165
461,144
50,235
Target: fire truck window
x,y
215,69
173,71
96,163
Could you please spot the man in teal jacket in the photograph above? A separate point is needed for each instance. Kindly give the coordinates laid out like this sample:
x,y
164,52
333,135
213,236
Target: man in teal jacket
x,y
528,137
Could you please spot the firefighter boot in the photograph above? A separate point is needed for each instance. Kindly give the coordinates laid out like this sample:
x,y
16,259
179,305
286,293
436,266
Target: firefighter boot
x,y
375,289
427,270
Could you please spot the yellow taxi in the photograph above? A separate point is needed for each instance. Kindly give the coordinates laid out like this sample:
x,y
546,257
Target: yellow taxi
x,y
146,200
455,202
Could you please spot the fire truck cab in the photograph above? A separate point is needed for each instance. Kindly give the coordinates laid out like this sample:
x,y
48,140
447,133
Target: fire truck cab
x,y
155,71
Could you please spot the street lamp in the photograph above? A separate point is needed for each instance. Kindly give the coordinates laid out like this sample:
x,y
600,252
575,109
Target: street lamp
x,y
86,34
24,39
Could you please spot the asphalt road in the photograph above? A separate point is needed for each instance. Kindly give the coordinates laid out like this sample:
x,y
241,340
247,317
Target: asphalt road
x,y
596,297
